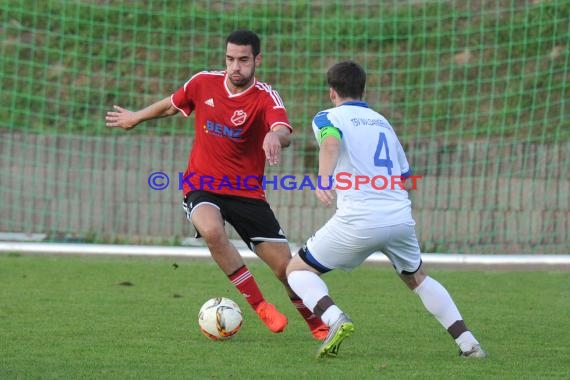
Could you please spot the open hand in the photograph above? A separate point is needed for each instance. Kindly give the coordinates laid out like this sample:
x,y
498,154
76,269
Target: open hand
x,y
121,118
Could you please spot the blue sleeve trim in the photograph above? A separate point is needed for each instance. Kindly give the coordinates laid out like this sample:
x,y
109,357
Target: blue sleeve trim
x,y
321,120
407,174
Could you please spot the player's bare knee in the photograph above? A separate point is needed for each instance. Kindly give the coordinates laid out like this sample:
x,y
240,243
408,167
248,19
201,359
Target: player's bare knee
x,y
214,236
413,280
295,264
280,270
275,255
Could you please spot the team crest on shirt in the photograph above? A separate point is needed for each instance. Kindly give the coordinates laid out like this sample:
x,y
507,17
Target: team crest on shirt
x,y
238,118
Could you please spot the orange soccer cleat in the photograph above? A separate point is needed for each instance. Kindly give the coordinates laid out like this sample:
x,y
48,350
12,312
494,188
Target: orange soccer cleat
x,y
273,318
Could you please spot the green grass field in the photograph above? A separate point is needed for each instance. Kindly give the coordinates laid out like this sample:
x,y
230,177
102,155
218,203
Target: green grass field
x,y
77,318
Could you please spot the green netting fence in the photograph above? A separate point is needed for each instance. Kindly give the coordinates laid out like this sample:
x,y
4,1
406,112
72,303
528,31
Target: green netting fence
x,y
477,90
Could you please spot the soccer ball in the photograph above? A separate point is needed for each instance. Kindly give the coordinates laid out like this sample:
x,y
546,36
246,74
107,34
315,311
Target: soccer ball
x,y
220,318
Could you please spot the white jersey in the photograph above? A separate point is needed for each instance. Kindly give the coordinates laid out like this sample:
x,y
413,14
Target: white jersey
x,y
369,168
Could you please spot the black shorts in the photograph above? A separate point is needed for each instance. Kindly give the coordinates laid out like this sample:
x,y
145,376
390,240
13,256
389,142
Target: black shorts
x,y
252,219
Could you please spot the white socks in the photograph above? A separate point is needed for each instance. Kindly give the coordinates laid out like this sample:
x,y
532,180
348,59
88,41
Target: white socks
x,y
331,315
311,288
308,286
466,341
437,301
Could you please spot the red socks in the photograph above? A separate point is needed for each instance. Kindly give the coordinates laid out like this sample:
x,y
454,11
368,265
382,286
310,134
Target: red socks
x,y
243,280
311,319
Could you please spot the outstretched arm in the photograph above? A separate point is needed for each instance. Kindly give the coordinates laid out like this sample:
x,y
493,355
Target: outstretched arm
x,y
123,118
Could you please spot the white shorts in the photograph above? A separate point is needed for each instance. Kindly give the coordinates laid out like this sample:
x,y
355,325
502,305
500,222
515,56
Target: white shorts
x,y
345,246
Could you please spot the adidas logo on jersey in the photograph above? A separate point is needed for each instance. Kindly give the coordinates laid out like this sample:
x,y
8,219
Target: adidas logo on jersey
x,y
210,102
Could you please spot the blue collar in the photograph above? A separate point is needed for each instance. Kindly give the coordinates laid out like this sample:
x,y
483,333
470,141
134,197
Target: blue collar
x,y
358,103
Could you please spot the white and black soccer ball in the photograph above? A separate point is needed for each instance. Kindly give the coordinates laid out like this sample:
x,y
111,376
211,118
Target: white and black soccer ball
x,y
220,318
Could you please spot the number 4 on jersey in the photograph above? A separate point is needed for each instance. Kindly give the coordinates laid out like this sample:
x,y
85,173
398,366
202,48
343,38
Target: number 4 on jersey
x,y
378,160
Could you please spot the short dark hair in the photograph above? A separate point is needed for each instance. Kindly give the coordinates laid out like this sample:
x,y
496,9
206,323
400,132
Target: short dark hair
x,y
348,79
244,37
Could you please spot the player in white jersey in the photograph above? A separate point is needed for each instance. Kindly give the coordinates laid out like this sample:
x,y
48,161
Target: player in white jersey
x,y
361,153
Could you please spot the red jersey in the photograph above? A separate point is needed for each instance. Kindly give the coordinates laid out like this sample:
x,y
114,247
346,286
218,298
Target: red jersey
x,y
227,156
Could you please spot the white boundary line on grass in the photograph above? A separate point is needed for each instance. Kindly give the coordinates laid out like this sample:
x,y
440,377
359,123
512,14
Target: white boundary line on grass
x,y
200,252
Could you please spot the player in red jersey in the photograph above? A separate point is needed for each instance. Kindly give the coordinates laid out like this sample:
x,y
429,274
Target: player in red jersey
x,y
239,124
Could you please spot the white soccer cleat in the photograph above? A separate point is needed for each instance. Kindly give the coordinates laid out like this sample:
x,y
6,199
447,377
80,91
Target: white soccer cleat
x,y
341,329
475,352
